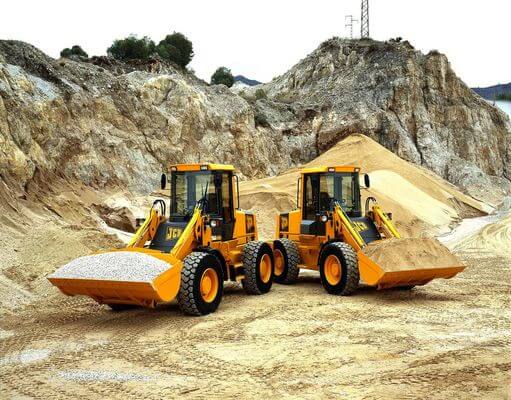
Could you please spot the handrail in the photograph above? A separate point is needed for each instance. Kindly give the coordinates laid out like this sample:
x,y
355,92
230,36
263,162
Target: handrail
x,y
298,193
238,191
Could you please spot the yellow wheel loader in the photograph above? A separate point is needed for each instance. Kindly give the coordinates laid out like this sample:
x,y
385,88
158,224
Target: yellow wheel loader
x,y
329,232
205,239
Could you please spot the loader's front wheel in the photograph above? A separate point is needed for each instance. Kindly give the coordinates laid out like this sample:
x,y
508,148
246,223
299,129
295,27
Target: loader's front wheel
x,y
258,267
338,268
287,259
201,287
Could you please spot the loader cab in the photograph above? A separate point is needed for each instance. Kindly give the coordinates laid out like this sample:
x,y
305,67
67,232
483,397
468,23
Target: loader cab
x,y
321,189
208,186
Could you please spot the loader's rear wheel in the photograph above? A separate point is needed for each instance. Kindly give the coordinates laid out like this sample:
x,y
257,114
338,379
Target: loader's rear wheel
x,y
201,287
258,267
287,259
338,268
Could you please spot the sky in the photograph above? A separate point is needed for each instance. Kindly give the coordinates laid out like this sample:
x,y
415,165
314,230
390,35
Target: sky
x,y
262,39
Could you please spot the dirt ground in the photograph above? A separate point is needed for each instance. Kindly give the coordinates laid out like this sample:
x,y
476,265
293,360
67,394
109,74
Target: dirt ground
x,y
449,339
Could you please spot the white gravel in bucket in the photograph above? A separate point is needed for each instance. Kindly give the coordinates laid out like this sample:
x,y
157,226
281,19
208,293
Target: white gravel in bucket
x,y
115,266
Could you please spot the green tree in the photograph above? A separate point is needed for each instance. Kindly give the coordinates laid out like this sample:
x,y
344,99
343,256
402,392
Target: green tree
x,y
222,76
131,48
74,51
176,48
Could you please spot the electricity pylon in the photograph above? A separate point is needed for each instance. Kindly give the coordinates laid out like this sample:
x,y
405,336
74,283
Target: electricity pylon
x,y
364,19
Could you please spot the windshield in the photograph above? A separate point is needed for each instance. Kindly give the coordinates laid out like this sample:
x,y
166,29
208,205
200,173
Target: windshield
x,y
322,190
190,187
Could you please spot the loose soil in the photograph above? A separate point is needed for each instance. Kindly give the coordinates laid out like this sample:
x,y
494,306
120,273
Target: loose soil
x,y
450,338
410,254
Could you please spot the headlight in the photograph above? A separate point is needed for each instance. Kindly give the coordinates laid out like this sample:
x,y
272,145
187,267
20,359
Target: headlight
x,y
213,223
324,218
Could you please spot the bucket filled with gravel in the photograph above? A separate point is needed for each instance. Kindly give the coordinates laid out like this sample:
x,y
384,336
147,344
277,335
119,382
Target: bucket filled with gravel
x,y
114,266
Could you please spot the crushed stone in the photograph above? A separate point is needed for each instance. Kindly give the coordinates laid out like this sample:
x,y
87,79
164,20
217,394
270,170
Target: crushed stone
x,y
114,266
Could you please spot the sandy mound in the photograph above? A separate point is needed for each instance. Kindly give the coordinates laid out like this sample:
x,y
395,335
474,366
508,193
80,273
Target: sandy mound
x,y
423,204
410,253
492,239
266,206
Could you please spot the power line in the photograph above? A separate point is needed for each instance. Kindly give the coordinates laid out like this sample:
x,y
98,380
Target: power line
x,y
364,19
349,24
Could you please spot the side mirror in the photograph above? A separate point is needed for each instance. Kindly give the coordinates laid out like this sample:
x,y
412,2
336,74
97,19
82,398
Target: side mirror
x,y
163,181
367,182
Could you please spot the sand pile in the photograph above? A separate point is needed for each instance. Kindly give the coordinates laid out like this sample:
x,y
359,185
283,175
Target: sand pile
x,y
410,253
423,204
493,239
115,266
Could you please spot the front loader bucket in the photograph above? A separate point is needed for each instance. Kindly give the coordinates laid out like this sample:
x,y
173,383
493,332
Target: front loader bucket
x,y
130,276
406,262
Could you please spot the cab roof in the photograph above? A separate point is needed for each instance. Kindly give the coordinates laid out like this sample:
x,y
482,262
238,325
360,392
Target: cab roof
x,y
201,167
324,169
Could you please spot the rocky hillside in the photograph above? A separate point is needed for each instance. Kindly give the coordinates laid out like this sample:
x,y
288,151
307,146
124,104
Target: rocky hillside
x,y
107,123
411,103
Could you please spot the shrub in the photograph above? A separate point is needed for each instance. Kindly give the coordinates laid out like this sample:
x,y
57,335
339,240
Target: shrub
x,y
131,48
74,51
176,48
260,94
222,76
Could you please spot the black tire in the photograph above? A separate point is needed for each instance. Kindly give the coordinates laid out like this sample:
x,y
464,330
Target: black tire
x,y
121,307
189,298
349,274
253,254
291,259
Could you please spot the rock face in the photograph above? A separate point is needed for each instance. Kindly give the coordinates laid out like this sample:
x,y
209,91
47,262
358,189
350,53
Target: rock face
x,y
411,103
109,123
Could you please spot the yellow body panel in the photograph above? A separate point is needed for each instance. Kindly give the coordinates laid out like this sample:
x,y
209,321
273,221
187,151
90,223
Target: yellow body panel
x,y
338,168
201,167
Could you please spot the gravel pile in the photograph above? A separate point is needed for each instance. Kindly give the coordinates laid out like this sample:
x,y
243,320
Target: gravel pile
x,y
114,266
101,376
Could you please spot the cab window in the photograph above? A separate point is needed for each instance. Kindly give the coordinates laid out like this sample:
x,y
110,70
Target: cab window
x,y
190,187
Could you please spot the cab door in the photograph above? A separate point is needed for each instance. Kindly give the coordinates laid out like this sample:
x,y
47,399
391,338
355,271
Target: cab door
x,y
311,224
227,208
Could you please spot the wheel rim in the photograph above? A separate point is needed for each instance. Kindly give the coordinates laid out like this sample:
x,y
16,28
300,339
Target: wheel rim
x,y
333,270
279,262
265,268
209,285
